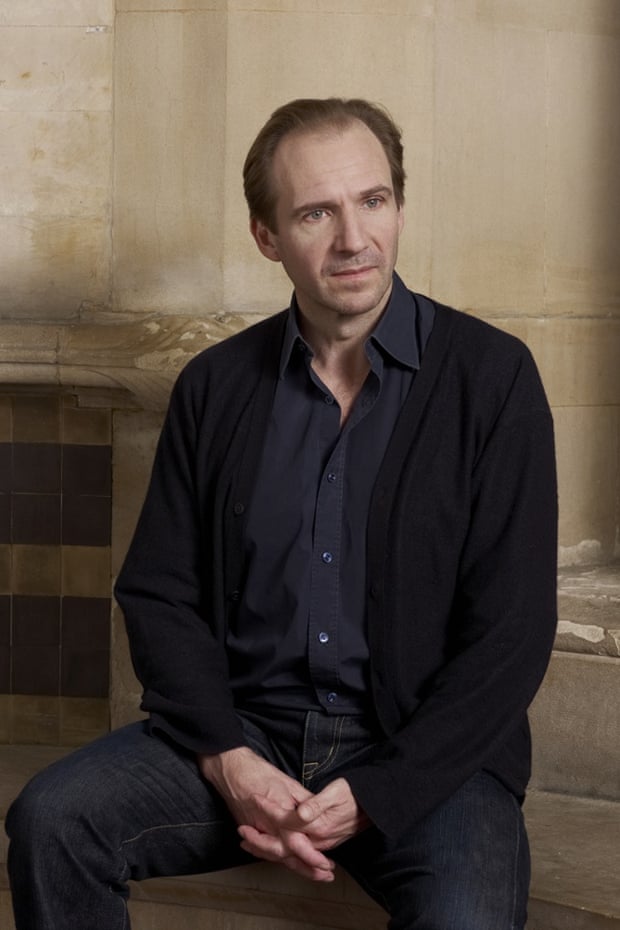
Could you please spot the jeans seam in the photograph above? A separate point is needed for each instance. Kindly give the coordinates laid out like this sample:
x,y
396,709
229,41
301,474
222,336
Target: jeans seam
x,y
516,872
167,826
317,767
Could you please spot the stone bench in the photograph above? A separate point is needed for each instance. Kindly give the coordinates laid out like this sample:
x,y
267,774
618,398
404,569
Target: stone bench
x,y
572,810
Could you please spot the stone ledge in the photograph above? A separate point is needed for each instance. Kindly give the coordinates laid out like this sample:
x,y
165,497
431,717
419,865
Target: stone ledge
x,y
138,354
574,720
575,844
589,610
266,891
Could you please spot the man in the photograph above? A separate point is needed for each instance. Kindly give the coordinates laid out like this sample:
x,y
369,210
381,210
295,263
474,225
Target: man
x,y
340,596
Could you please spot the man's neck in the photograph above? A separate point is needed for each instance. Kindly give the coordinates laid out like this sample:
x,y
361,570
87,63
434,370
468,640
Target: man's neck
x,y
340,358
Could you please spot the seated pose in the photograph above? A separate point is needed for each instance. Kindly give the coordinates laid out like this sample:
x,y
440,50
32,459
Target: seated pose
x,y
340,595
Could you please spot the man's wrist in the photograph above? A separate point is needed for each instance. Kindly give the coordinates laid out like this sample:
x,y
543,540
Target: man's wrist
x,y
214,767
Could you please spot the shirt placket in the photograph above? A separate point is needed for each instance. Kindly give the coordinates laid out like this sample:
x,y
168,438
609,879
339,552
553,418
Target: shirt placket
x,y
323,626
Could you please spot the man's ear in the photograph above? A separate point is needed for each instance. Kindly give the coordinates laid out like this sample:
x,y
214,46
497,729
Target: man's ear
x,y
265,239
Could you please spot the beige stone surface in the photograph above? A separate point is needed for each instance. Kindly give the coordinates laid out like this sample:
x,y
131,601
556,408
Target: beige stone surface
x,y
575,862
587,442
583,191
55,68
578,358
598,16
55,148
148,916
489,180
57,163
171,6
53,13
169,201
49,265
575,727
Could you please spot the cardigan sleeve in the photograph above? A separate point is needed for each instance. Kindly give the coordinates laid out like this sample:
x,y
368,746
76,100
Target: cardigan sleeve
x,y
470,714
164,590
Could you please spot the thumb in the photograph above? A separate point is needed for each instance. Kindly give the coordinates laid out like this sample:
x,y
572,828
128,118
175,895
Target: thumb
x,y
309,810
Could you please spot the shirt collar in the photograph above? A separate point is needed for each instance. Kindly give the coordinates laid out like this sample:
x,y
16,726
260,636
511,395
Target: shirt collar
x,y
396,332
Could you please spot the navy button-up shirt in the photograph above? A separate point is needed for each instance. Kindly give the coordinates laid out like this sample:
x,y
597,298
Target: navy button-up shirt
x,y
298,638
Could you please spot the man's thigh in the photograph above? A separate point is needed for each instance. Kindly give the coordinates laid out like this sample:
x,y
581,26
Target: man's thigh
x,y
465,866
134,801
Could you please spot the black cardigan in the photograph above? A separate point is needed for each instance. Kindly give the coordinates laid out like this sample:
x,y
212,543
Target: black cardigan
x,y
461,561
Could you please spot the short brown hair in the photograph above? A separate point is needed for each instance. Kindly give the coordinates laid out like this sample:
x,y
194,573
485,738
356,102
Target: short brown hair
x,y
307,115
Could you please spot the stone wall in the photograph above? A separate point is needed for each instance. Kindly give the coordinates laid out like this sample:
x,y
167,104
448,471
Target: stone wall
x,y
123,232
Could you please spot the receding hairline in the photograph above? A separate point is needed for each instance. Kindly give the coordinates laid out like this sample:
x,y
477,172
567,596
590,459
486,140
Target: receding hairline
x,y
323,118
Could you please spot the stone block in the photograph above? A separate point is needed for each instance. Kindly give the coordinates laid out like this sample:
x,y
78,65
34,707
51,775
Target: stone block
x,y
56,67
489,153
52,13
575,727
57,164
170,128
587,443
532,15
51,265
582,203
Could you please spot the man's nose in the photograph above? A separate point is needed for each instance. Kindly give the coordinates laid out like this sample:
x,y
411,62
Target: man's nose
x,y
350,232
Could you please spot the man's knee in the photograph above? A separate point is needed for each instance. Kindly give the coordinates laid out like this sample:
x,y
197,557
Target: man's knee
x,y
41,812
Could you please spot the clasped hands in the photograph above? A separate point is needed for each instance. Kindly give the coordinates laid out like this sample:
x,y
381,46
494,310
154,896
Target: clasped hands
x,y
278,819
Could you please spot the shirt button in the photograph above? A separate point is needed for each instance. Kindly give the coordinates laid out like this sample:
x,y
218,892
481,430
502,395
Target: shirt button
x,y
327,557
332,697
323,637
332,476
328,399
238,508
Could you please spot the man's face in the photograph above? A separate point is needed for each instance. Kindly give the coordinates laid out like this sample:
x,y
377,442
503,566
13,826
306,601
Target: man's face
x,y
337,222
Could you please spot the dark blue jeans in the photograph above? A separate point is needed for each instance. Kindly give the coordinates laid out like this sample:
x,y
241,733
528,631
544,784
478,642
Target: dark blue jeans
x,y
133,806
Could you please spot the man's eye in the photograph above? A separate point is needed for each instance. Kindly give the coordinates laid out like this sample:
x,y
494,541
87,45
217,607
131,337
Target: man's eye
x,y
315,214
373,202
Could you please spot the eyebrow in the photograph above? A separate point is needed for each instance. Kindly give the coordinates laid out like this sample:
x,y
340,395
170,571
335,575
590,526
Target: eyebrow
x,y
329,204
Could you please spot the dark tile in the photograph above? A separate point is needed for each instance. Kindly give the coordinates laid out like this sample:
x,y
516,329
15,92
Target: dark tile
x,y
36,519
5,518
35,669
36,467
5,644
5,670
86,520
6,466
86,622
85,673
36,621
5,619
87,469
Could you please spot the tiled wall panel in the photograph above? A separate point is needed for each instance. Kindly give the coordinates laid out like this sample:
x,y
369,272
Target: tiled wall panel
x,y
55,527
